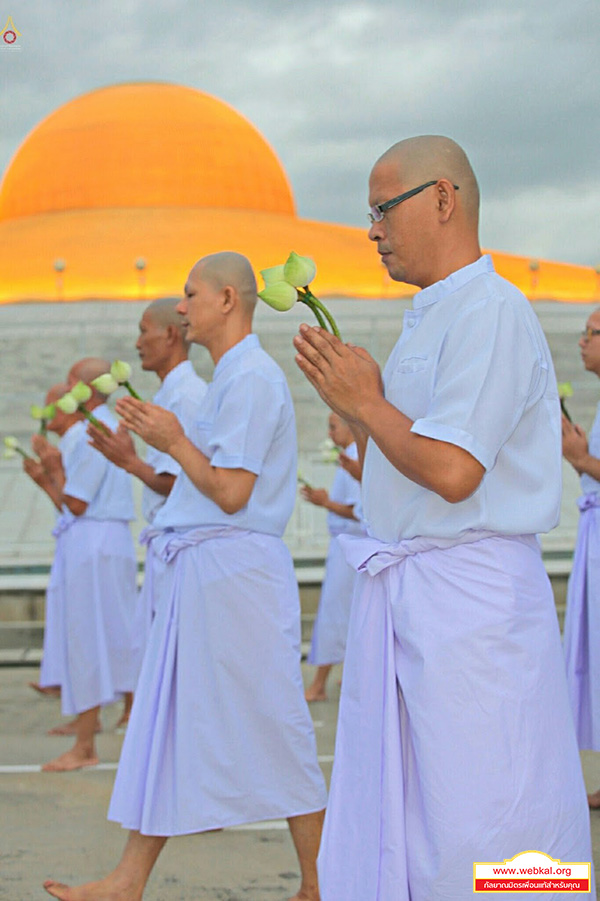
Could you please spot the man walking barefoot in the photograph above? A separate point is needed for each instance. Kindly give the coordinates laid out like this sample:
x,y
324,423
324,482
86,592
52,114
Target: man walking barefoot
x,y
210,744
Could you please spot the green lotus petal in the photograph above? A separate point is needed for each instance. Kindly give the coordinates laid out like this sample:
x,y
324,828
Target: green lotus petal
x,y
81,392
67,403
279,295
273,274
565,389
105,384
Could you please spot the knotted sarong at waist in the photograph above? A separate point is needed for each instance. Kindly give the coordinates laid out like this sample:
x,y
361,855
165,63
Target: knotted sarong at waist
x,y
166,543
372,556
588,501
64,522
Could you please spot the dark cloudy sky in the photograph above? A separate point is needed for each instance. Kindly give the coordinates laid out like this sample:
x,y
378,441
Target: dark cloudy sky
x,y
332,85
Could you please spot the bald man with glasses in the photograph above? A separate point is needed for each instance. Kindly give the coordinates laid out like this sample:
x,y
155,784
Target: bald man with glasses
x,y
582,620
455,740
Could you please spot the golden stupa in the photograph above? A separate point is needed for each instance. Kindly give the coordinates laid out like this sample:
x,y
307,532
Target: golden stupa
x,y
116,193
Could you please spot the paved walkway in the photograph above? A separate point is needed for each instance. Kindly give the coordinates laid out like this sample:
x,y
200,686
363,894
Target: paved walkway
x,y
55,824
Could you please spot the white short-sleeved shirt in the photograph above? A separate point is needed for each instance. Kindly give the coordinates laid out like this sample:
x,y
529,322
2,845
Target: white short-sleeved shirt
x,y
472,367
181,392
589,484
345,490
246,421
92,478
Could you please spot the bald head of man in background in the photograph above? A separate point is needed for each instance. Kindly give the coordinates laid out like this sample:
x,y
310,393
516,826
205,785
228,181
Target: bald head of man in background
x,y
86,370
427,236
161,343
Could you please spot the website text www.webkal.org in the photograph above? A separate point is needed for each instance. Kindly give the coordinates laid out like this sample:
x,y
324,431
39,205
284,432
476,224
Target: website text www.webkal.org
x,y
539,875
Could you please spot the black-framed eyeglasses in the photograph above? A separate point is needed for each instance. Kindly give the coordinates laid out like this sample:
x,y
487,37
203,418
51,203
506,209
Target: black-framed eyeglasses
x,y
589,332
377,212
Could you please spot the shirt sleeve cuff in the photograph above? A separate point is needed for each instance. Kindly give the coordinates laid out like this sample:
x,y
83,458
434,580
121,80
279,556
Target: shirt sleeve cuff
x,y
76,491
167,466
441,432
235,462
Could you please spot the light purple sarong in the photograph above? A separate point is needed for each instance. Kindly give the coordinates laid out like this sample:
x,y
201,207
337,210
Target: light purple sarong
x,y
154,568
455,740
220,733
330,630
96,603
53,652
582,626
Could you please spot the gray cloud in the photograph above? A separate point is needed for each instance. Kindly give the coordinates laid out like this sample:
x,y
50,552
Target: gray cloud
x,y
331,86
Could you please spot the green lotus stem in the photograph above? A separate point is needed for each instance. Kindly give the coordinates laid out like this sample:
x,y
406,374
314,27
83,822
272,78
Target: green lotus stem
x,y
564,409
91,418
315,310
324,311
20,450
43,427
132,391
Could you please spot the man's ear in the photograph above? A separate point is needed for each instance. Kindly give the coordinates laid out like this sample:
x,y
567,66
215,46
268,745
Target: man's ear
x,y
173,333
445,198
229,299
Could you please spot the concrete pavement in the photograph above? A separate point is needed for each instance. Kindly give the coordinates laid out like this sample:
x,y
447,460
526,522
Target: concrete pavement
x,y
54,825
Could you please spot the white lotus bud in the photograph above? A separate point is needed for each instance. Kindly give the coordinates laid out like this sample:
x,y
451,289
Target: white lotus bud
x,y
120,371
67,403
279,295
330,452
11,442
105,384
81,392
299,271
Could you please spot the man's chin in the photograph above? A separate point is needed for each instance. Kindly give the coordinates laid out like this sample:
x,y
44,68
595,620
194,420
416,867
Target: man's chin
x,y
394,272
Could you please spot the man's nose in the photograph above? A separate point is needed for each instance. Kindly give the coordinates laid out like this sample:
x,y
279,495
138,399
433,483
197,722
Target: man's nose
x,y
376,231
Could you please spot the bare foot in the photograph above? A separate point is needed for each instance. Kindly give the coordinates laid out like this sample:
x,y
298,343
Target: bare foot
x,y
71,728
70,760
594,800
50,691
313,694
91,891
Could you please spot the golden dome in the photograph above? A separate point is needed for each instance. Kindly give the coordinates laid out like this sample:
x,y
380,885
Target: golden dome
x,y
116,194
144,145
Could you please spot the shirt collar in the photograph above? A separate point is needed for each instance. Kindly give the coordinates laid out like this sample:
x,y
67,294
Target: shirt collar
x,y
453,282
175,375
248,343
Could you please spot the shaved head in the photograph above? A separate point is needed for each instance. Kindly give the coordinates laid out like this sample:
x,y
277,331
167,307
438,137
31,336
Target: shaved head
x,y
432,231
218,303
164,313
230,269
56,392
87,369
426,157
